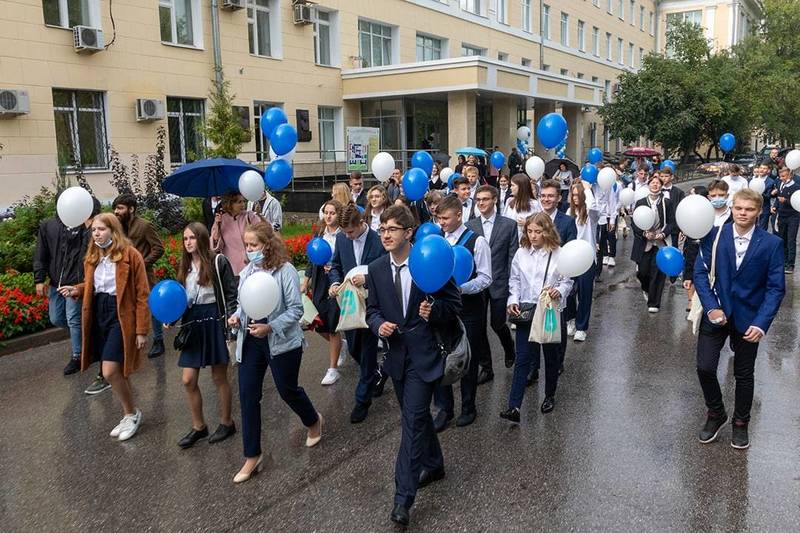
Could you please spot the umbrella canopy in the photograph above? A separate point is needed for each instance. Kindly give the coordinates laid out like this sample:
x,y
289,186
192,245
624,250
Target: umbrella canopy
x,y
209,177
715,167
442,157
551,167
640,151
469,150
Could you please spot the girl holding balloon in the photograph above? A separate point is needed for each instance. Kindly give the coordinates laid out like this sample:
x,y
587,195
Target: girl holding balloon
x,y
522,202
114,313
269,336
584,209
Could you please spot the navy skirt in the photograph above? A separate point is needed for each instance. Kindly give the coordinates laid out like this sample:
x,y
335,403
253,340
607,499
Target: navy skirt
x,y
206,345
106,330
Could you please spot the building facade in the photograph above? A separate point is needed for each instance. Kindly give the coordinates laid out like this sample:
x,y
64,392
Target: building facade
x,y
429,73
724,23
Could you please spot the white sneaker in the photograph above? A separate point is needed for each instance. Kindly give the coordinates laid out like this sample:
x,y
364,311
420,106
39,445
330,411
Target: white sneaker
x,y
342,354
331,377
580,336
605,260
652,309
115,432
612,262
130,425
571,328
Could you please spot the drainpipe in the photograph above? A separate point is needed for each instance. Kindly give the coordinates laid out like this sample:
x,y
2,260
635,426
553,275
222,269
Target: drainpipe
x,y
541,35
215,43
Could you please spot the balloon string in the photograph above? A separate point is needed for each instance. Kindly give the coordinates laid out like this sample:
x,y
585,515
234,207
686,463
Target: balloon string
x,y
197,321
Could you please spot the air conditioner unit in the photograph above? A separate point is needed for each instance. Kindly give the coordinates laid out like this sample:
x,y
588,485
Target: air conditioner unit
x,y
148,109
14,102
302,14
87,39
233,5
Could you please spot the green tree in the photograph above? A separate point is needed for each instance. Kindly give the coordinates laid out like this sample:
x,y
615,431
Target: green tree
x,y
222,127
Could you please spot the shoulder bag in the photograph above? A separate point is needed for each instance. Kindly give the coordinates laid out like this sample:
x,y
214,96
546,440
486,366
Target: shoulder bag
x,y
527,309
696,311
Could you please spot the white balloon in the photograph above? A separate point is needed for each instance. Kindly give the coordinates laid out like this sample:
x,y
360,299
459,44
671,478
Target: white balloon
x,y
575,258
523,133
793,159
382,166
758,185
74,206
795,200
644,218
259,295
534,167
640,193
695,216
289,156
606,178
251,185
445,174
627,196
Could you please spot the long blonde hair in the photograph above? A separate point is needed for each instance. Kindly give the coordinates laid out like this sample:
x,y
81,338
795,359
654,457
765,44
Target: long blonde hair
x,y
580,212
118,240
341,193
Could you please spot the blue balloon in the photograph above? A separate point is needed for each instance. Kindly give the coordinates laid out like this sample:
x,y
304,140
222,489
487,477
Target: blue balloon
x,y
498,159
360,209
670,261
283,139
669,164
431,263
595,155
551,130
422,160
415,184
727,142
270,120
462,269
278,174
589,173
168,301
454,176
428,228
319,251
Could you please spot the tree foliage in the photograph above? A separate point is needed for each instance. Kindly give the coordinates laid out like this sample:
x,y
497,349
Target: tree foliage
x,y
222,127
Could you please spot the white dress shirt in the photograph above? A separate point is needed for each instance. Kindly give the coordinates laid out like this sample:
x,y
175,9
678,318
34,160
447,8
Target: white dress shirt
x,y
510,212
720,218
195,293
358,245
735,183
488,226
375,220
742,242
482,259
587,231
605,203
330,238
528,276
467,207
503,195
105,276
405,281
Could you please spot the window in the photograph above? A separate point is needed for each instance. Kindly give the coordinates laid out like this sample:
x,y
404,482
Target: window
x,y
69,13
633,13
502,11
184,118
81,137
502,56
526,62
620,51
469,51
608,47
621,9
579,75
595,79
607,89
546,68
596,3
546,21
630,54
325,52
428,48
473,6
693,17
328,132
564,29
375,44
262,141
596,41
581,36
258,28
564,72
641,18
641,57
180,22
652,24
526,15
610,7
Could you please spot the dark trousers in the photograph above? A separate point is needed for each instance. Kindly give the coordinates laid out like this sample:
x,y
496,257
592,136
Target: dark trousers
x,y
787,230
710,341
527,360
562,348
419,445
363,344
607,243
763,220
498,322
579,304
474,320
285,369
651,278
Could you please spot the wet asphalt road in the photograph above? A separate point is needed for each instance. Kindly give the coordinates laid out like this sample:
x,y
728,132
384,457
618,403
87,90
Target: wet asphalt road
x,y
618,453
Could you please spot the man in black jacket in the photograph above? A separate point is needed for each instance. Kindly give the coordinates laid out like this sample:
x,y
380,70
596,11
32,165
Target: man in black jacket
x,y
59,258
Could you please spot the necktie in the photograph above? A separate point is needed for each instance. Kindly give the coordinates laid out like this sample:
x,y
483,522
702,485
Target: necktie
x,y
398,286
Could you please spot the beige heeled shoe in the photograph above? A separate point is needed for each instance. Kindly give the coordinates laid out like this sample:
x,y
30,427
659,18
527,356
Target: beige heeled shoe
x,y
241,478
313,441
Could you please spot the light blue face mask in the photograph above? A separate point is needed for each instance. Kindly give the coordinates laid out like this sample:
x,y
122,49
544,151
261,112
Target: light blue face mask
x,y
256,256
106,244
719,203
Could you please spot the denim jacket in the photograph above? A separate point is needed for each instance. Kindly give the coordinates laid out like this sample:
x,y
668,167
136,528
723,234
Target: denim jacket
x,y
286,333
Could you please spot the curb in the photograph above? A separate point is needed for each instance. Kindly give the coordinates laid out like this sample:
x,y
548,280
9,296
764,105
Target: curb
x,y
34,340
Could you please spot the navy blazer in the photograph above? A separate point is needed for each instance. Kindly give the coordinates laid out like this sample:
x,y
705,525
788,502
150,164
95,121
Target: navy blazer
x,y
666,210
344,258
566,227
751,295
416,339
503,245
769,185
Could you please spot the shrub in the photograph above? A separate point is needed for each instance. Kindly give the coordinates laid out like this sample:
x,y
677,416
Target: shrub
x,y
21,311
18,235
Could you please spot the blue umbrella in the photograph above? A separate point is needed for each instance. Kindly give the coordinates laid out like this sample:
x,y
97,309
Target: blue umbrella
x,y
209,177
469,150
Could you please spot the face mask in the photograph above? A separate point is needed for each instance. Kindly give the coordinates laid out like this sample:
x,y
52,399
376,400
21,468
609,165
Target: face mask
x,y
104,245
719,203
256,256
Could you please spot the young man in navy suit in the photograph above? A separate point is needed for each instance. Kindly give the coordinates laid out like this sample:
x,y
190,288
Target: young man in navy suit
x,y
398,311
357,245
748,289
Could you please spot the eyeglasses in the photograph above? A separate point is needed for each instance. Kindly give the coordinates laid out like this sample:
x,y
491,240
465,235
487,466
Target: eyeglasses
x,y
390,229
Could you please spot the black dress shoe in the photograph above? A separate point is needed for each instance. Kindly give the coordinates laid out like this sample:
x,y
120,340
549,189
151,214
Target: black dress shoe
x,y
510,360
222,433
712,427
441,421
192,437
399,515
359,413
383,377
548,404
156,350
426,477
465,419
533,377
73,366
485,376
511,414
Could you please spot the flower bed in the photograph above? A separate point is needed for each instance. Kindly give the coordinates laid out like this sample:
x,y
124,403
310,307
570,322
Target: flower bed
x,y
21,311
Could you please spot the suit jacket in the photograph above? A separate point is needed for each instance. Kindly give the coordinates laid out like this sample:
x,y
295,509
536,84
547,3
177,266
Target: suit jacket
x,y
417,340
361,199
751,295
504,244
769,186
566,227
208,214
676,194
145,239
666,211
502,198
344,258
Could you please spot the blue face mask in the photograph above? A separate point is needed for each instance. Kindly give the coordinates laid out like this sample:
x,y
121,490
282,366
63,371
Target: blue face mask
x,y
719,203
105,244
255,256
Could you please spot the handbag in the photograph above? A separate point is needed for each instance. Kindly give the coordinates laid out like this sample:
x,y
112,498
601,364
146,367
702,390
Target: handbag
x,y
456,356
185,332
310,314
527,309
696,309
546,323
352,302
230,339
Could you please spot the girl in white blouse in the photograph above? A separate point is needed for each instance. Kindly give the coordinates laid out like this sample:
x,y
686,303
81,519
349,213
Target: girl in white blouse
x,y
584,209
522,203
534,269
377,201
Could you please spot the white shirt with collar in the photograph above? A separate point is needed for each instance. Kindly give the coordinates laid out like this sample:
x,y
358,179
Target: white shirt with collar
x,y
354,196
405,280
528,276
510,212
482,259
467,208
488,225
330,238
741,243
105,276
735,184
588,231
358,245
720,218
